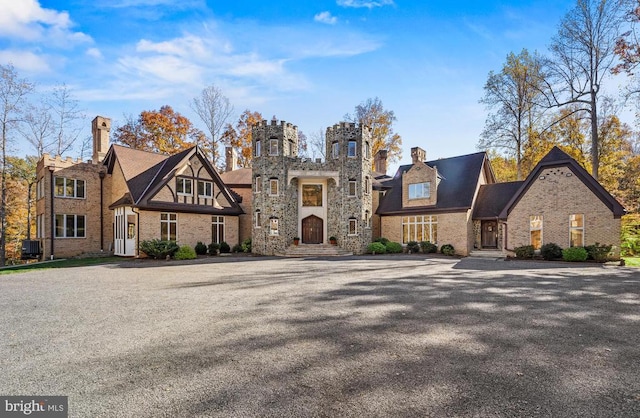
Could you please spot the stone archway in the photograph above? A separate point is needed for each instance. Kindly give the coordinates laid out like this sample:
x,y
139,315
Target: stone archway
x,y
312,230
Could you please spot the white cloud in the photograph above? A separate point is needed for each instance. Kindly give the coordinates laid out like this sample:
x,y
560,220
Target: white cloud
x,y
28,21
25,61
369,4
325,17
94,52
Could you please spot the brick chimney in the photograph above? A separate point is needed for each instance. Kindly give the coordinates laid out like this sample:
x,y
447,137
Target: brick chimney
x,y
231,157
100,127
418,155
380,161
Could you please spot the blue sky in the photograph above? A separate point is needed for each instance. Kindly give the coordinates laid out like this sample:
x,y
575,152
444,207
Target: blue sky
x,y
308,63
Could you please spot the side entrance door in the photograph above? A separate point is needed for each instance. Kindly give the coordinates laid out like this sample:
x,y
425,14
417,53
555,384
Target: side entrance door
x,y
489,234
312,230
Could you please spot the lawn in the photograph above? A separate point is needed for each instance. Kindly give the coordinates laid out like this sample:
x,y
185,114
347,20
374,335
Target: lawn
x,y
632,261
62,263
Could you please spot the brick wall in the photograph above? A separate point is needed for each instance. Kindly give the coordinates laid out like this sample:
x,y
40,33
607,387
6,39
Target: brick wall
x,y
419,173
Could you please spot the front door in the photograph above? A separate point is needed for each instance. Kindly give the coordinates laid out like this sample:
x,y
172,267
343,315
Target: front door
x,y
489,234
312,230
124,232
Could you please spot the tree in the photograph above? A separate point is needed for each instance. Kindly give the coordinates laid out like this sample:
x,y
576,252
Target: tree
x,y
504,168
583,54
66,115
317,144
24,170
214,110
239,136
13,92
303,144
163,131
512,94
628,44
39,128
372,113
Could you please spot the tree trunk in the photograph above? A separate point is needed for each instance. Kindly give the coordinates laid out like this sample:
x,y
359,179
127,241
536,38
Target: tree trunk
x,y
3,199
595,155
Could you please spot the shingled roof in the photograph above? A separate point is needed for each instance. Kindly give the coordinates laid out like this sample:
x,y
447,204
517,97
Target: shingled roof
x,y
558,158
456,190
492,198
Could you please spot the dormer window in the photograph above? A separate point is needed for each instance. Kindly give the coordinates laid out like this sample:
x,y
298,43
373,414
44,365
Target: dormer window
x,y
183,186
351,150
273,146
420,190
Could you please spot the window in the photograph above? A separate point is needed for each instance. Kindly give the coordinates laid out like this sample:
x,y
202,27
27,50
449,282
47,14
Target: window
x,y
70,226
168,226
65,187
273,146
258,184
205,189
353,226
40,189
273,226
367,219
311,195
420,190
351,150
576,230
217,229
367,185
258,148
273,187
258,219
367,150
535,228
335,149
183,186
352,188
40,226
420,228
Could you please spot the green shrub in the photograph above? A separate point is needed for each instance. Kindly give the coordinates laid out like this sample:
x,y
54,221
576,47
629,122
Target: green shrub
x,y
200,248
598,252
551,251
413,246
376,248
393,247
224,248
185,253
246,245
382,240
447,249
213,248
159,249
526,251
237,248
574,254
428,247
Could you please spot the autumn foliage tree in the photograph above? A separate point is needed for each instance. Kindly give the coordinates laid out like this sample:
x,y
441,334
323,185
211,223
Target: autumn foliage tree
x,y
380,120
164,131
239,136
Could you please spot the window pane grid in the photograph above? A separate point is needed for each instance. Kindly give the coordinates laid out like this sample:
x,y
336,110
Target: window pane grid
x,y
420,228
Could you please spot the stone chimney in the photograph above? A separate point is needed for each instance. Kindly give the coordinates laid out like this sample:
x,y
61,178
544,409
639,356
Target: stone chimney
x,y
380,161
231,158
100,128
418,155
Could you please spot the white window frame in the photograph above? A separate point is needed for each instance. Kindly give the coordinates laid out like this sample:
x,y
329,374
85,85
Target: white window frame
x,y
40,189
66,218
576,228
367,185
257,218
352,188
181,183
367,149
420,190
352,227
352,149
258,185
274,226
258,151
170,219
66,182
367,219
536,227
271,183
217,225
204,184
427,224
335,149
273,147
40,226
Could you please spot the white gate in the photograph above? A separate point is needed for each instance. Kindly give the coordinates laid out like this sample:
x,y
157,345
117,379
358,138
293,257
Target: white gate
x,y
125,232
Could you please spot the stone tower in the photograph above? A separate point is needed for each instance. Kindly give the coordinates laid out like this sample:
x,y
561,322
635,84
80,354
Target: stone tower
x,y
100,127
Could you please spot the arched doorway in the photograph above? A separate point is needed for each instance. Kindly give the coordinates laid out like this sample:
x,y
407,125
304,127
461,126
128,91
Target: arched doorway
x,y
312,230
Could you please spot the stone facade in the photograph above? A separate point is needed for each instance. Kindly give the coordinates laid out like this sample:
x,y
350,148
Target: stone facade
x,y
556,194
344,180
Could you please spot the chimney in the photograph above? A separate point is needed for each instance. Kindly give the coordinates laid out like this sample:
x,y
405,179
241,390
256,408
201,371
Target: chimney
x,y
231,158
418,155
380,161
100,128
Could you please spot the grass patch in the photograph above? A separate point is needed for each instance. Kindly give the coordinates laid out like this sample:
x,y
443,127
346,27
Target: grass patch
x,y
57,264
632,261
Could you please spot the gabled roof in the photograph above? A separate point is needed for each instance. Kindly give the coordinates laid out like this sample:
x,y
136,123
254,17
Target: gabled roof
x,y
240,177
456,190
492,198
558,158
146,173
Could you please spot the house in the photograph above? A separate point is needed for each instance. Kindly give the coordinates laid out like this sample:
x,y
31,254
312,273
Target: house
x,y
123,196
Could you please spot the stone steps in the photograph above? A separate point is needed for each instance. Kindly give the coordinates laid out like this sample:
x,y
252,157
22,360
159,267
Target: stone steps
x,y
492,254
315,250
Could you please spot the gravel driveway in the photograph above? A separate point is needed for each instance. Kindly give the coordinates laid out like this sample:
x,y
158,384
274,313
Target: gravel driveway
x,y
358,336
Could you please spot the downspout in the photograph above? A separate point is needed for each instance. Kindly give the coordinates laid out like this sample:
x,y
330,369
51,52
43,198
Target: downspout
x,y
51,214
102,174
